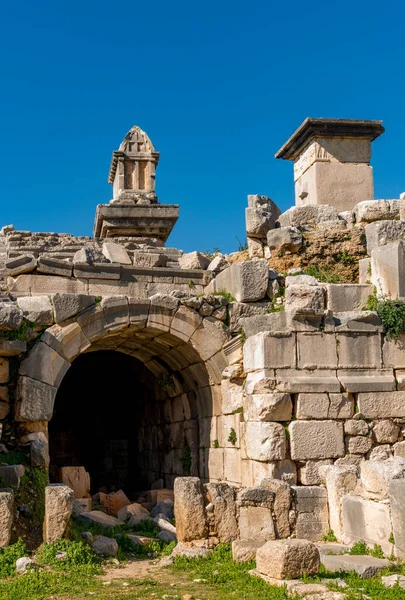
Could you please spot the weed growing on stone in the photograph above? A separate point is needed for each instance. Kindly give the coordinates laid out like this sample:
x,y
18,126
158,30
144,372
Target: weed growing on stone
x,y
22,333
330,536
345,258
186,459
361,548
325,274
215,444
14,457
392,315
226,295
232,436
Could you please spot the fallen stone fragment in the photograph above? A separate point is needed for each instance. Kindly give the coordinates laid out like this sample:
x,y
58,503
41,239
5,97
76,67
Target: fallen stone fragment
x,y
288,559
104,546
365,566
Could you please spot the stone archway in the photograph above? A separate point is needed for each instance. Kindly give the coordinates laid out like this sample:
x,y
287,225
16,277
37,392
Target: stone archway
x,y
182,349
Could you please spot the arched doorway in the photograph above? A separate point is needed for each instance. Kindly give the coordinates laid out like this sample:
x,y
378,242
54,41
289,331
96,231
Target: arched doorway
x,y
178,357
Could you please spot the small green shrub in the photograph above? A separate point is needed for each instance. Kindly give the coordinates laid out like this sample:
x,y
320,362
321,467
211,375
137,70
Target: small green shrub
x,y
360,548
14,457
372,302
8,557
345,258
330,536
392,314
391,539
98,299
215,444
77,553
325,274
232,436
23,332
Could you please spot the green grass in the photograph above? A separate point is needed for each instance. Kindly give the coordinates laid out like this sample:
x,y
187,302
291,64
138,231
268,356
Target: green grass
x,y
360,549
14,457
325,274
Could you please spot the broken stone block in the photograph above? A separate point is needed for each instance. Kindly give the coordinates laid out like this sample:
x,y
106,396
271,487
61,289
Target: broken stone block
x,y
256,247
90,255
222,497
387,405
81,505
267,407
10,315
383,452
356,427
311,505
281,505
393,581
39,449
383,233
149,260
309,297
24,564
135,513
265,441
285,239
316,440
21,264
309,473
245,550
365,566
104,546
99,518
103,270
309,217
194,260
116,253
246,282
340,480
58,509
6,516
377,475
300,279
218,264
167,536
37,309
232,395
368,521
114,502
288,559
54,266
191,520
364,270
76,478
376,210
69,305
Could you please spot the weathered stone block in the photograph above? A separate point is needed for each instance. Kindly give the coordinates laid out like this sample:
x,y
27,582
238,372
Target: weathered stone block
x,y
21,264
6,516
376,210
364,270
69,305
309,473
265,441
35,400
281,505
12,475
387,268
316,440
245,550
394,353
222,497
191,520
324,406
246,282
397,504
288,559
386,432
316,350
372,380
359,350
77,479
54,266
267,407
368,521
383,233
284,239
387,405
68,341
256,522
37,309
308,297
116,253
347,297
359,444
315,381
365,566
311,504
377,475
269,350
44,364
194,260
58,509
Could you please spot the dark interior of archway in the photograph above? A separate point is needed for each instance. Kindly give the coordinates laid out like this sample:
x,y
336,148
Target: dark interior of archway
x,y
99,411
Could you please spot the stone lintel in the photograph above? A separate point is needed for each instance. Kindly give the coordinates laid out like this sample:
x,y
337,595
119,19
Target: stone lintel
x,y
150,221
327,128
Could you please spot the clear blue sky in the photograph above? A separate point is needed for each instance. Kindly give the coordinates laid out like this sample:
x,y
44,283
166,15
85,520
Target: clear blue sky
x,y
218,86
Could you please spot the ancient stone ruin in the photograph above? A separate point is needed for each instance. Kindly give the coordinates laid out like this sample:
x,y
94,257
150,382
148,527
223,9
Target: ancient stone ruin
x,y
270,400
